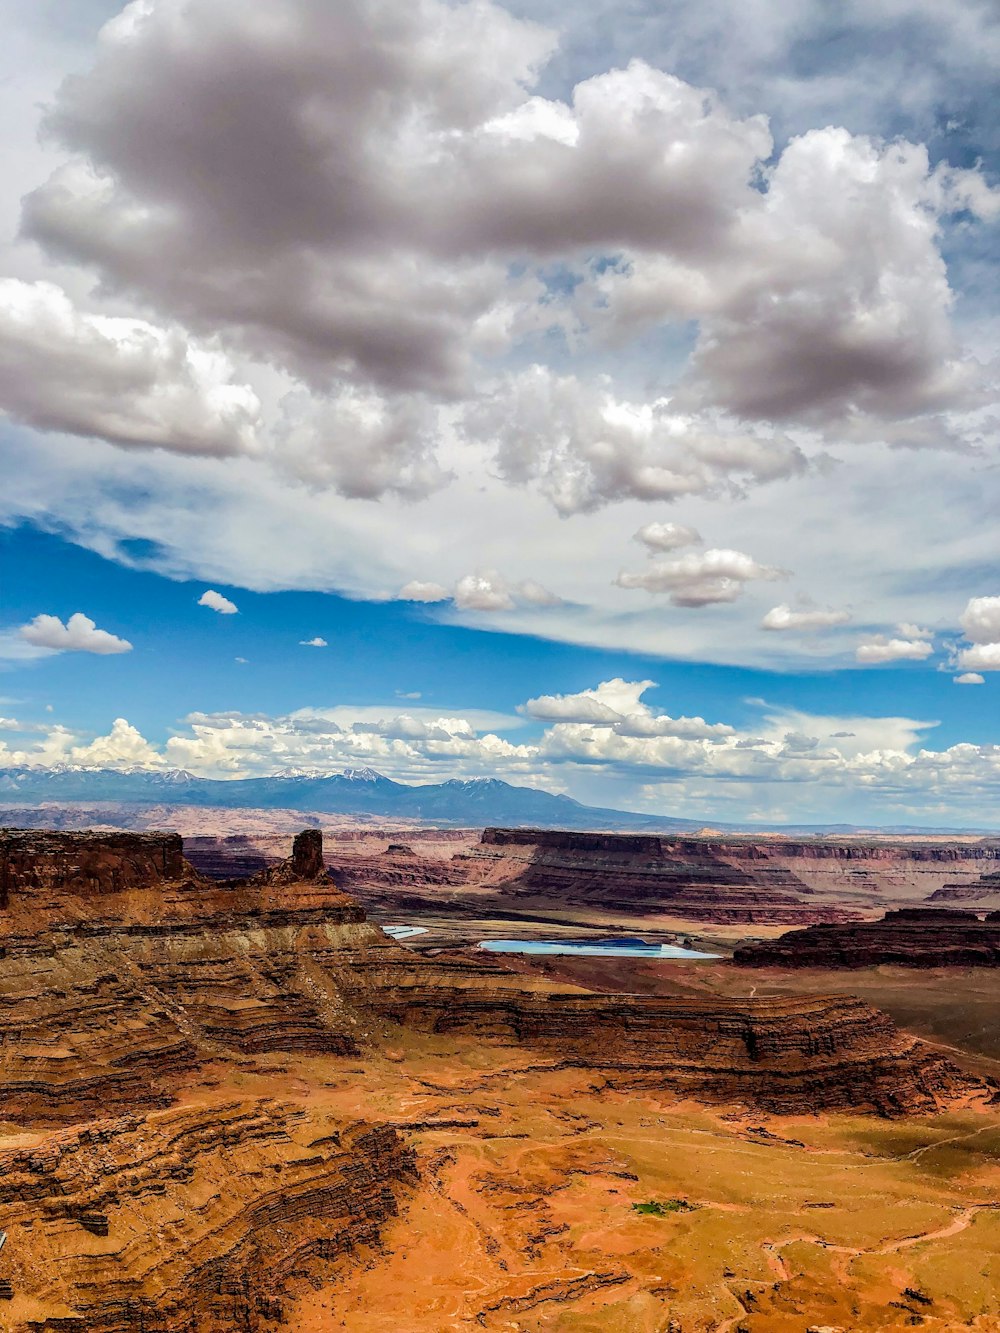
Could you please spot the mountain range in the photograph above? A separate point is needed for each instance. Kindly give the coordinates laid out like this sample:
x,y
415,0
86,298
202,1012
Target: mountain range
x,y
458,802
356,791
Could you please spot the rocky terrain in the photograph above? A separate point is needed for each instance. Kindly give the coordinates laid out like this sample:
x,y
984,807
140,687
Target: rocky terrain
x,y
541,875
223,1098
911,937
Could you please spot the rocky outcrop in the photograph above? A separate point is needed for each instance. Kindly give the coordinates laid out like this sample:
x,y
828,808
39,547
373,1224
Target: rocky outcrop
x,y
985,889
239,1197
789,1055
910,937
144,1186
89,862
695,879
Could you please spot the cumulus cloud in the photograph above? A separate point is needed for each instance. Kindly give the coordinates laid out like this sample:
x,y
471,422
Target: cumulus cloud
x,y
125,380
882,648
970,678
980,657
980,623
784,618
584,448
483,592
216,602
820,300
79,635
701,579
361,443
317,642
618,704
667,536
980,620
486,590
610,701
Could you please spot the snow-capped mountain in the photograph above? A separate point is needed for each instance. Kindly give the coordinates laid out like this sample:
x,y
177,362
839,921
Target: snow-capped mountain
x,y
463,802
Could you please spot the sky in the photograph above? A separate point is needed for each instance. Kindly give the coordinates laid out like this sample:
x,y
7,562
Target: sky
x,y
602,397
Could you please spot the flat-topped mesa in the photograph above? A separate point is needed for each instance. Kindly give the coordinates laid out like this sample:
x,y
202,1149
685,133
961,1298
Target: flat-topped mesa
x,y
786,1055
89,863
699,879
910,937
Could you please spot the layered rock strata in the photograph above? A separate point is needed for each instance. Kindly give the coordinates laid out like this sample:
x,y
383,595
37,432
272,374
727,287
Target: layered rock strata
x,y
696,879
190,1220
131,1208
910,937
788,1055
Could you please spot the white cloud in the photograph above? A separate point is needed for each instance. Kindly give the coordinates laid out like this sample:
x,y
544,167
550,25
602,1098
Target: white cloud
x,y
980,620
317,642
667,536
784,618
970,678
487,590
416,591
483,592
125,380
980,623
701,580
584,448
610,701
360,443
216,602
980,657
605,742
881,648
79,635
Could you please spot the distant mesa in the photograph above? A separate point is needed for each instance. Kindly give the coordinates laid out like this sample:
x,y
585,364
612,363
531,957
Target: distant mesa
x,y
909,937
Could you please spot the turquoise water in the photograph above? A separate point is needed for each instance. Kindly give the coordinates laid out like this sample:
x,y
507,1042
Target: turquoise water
x,y
404,932
595,948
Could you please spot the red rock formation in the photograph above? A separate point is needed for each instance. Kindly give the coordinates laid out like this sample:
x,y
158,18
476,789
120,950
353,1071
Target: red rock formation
x,y
911,937
693,878
189,1221
127,1212
107,863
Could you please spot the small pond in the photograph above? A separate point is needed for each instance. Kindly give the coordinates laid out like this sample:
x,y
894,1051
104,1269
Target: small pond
x,y
612,948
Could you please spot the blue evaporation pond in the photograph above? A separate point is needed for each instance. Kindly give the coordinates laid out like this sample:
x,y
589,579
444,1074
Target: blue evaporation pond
x,y
596,948
404,932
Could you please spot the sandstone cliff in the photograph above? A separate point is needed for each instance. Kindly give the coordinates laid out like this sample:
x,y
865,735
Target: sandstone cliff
x,y
911,937
131,1208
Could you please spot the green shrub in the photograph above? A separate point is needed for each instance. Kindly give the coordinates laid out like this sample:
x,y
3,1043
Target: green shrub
x,y
663,1207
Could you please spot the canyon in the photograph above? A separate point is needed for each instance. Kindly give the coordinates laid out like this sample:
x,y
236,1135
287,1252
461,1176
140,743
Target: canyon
x,y
238,1103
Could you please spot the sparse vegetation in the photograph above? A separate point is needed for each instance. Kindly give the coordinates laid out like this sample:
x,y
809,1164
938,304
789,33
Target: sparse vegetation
x,y
663,1207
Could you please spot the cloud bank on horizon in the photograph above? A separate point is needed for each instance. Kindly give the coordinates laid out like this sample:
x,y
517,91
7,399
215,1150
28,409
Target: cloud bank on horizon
x,y
678,764
568,302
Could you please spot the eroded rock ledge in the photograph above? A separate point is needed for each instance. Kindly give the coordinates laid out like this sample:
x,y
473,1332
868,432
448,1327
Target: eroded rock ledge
x,y
124,980
910,937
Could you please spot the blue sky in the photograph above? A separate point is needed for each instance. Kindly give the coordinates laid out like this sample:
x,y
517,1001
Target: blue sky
x,y
626,426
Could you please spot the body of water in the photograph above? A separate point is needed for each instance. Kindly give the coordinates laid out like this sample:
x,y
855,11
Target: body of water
x,y
596,948
404,932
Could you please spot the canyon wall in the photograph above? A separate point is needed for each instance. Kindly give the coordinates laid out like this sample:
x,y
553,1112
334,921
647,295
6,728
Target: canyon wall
x,y
909,937
132,1203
